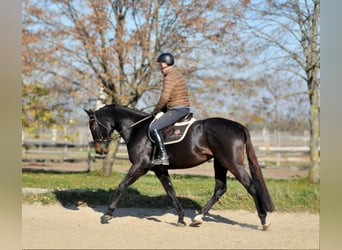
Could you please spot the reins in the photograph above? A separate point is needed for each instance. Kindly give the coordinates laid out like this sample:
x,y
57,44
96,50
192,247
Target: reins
x,y
136,123
118,136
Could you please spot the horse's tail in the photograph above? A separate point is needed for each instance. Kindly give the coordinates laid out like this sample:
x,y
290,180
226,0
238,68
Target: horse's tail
x,y
255,170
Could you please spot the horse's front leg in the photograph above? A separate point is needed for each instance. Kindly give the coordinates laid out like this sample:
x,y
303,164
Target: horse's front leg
x,y
136,171
165,179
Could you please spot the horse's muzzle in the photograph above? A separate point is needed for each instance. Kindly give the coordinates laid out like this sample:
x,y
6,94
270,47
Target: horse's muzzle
x,y
101,148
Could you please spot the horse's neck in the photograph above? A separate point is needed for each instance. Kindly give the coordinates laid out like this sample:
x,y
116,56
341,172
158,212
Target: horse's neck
x,y
126,120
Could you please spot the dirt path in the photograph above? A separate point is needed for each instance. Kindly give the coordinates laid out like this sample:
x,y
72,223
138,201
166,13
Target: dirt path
x,y
54,226
57,227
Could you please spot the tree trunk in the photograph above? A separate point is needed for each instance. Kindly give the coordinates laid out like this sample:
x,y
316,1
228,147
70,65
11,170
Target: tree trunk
x,y
312,56
108,162
314,175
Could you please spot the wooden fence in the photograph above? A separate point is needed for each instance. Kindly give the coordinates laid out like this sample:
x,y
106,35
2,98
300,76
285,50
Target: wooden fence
x,y
271,149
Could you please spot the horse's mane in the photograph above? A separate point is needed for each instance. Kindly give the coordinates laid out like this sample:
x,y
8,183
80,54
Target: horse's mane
x,y
111,107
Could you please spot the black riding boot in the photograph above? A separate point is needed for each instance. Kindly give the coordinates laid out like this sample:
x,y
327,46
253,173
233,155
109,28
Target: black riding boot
x,y
163,158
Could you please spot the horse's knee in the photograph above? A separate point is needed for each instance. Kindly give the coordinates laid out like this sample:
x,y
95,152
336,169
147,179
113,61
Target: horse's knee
x,y
220,192
220,183
220,188
121,188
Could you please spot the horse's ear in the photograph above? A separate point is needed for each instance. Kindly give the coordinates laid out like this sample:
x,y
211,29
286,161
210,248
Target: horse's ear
x,y
89,112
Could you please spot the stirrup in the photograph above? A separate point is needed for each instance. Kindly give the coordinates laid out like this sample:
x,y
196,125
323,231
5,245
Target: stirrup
x,y
161,161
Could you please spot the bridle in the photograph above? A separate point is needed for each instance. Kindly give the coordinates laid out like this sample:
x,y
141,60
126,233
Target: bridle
x,y
98,123
97,130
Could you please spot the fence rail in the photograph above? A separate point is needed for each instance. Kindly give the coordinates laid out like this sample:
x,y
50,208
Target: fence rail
x,y
272,148
56,152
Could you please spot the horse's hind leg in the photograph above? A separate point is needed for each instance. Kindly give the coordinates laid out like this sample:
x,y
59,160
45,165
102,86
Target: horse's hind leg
x,y
244,178
220,189
165,180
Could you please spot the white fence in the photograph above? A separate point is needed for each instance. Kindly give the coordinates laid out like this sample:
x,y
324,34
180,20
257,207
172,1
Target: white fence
x,y
73,144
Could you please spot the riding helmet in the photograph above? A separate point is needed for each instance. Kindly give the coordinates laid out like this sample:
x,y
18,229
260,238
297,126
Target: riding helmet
x,y
166,58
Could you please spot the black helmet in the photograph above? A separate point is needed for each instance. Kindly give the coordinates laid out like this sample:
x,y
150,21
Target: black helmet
x,y
166,58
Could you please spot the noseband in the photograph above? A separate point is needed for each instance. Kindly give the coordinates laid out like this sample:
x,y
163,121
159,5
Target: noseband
x,y
98,131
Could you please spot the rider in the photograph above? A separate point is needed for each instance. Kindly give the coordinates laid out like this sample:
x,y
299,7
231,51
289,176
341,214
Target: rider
x,y
174,100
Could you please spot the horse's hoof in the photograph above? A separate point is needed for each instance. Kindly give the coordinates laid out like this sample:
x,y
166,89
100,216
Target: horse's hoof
x,y
265,227
106,218
197,221
181,224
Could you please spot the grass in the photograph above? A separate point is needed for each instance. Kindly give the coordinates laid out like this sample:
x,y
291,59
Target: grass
x,y
193,192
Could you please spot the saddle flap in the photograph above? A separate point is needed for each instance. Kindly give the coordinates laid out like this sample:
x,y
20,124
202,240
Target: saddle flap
x,y
177,131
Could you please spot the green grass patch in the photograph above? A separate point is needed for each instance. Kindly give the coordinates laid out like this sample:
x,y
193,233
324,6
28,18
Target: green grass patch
x,y
193,191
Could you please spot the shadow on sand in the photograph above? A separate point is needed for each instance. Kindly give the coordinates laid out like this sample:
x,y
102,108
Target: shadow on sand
x,y
135,204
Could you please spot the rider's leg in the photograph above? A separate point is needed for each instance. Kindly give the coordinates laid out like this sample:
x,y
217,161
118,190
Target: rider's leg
x,y
162,158
170,117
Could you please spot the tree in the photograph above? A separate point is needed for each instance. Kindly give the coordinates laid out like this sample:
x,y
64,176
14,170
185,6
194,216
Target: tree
x,y
80,49
39,109
112,45
286,40
93,46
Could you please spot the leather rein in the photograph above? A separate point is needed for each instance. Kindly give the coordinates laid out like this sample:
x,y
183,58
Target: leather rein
x,y
106,140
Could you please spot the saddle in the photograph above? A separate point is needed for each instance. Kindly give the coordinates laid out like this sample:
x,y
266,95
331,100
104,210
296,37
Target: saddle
x,y
175,132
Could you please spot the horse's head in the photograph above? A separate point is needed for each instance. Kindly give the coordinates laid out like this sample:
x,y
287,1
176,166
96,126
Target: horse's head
x,y
101,130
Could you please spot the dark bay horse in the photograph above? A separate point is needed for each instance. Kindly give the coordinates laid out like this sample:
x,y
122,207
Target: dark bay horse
x,y
218,138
